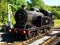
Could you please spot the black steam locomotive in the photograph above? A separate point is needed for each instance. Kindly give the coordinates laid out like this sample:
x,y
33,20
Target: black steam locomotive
x,y
29,23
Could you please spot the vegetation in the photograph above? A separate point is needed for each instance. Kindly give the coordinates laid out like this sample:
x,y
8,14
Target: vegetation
x,y
3,11
56,22
38,4
16,4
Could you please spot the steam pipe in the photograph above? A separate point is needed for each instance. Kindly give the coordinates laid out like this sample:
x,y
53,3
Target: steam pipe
x,y
9,13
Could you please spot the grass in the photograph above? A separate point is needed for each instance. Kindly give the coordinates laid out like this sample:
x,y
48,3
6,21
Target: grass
x,y
56,22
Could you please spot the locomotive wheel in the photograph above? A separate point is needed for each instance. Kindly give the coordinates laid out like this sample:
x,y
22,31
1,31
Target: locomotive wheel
x,y
48,29
38,32
41,31
32,34
25,37
45,30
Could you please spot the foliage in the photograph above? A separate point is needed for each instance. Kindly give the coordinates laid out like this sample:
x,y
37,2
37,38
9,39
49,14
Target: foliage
x,y
3,11
38,4
17,3
56,12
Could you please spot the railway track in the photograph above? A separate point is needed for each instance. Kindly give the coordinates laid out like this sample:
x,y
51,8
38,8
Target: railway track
x,y
55,41
56,28
38,40
45,40
49,40
22,42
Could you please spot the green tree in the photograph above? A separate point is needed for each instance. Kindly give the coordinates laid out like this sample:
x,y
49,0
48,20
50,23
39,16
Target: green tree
x,y
38,4
17,3
3,11
56,11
